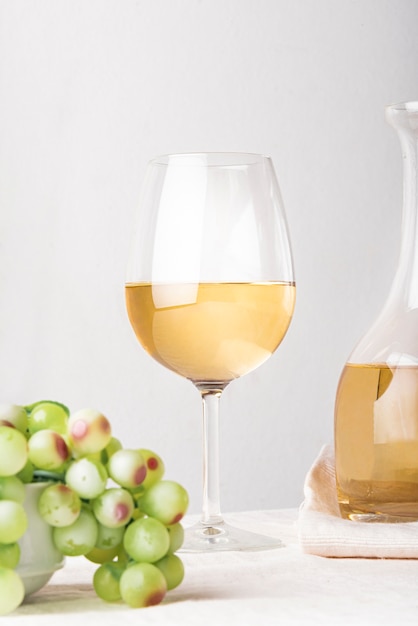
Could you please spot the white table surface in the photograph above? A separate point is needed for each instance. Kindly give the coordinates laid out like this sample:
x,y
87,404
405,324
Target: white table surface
x,y
280,586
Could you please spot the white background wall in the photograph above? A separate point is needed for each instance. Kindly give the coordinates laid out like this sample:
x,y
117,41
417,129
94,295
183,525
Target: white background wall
x,y
89,91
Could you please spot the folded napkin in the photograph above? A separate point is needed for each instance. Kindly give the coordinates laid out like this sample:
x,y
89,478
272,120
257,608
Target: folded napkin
x,y
324,532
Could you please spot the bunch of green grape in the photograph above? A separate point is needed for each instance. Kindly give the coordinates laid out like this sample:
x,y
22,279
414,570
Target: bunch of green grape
x,y
102,501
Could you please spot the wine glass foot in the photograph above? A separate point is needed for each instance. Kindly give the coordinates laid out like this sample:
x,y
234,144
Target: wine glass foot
x,y
223,537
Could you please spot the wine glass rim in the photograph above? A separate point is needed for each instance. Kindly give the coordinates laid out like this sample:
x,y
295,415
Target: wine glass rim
x,y
210,159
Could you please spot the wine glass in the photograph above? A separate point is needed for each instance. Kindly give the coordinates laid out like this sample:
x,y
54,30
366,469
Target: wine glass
x,y
210,292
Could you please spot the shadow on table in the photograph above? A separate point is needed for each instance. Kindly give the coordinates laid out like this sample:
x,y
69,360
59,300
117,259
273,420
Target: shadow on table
x,y
58,598
79,598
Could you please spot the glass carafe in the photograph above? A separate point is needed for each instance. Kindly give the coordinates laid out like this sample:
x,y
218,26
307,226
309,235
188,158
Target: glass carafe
x,y
376,411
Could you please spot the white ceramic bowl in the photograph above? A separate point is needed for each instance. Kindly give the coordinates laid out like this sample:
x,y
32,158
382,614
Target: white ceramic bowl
x,y
39,557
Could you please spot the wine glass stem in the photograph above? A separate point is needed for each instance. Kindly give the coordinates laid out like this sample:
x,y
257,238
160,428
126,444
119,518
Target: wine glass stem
x,y
211,512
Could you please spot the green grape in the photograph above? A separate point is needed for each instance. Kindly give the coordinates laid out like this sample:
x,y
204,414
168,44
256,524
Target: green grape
x,y
155,467
47,450
109,537
14,415
48,415
30,407
13,451
137,514
146,540
13,521
88,478
79,538
12,488
114,507
122,556
12,590
142,584
113,446
127,468
167,501
9,555
59,505
104,455
176,534
106,581
99,555
89,431
173,569
26,474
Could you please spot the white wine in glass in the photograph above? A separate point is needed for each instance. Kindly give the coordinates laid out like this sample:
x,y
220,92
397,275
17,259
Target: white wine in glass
x,y
210,292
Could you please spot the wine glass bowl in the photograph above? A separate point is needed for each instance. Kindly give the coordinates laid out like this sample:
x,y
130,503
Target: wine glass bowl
x,y
210,290
210,332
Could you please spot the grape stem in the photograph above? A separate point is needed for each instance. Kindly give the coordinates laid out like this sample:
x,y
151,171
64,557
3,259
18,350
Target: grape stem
x,y
46,476
211,512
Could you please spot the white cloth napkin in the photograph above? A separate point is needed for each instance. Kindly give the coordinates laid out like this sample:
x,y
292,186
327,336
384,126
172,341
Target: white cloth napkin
x,y
324,532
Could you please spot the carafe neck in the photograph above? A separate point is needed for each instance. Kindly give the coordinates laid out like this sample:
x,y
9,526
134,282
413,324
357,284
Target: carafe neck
x,y
404,119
